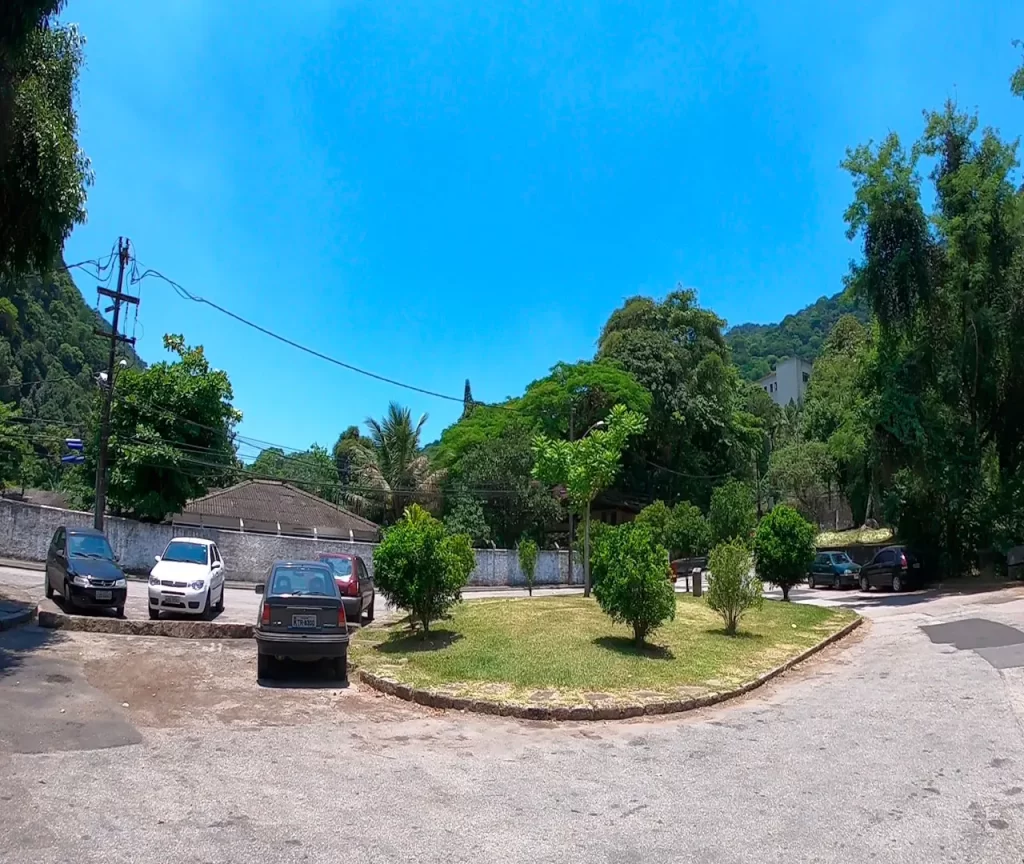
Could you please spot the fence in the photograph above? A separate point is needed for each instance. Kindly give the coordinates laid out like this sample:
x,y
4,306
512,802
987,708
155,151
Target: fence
x,y
26,531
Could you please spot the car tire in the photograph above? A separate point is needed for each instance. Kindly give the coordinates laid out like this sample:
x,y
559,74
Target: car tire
x,y
837,583
220,601
341,669
264,667
864,584
897,584
48,589
119,611
208,608
69,600
154,614
369,609
810,582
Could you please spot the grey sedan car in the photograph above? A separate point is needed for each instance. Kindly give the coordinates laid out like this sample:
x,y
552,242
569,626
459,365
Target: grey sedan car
x,y
302,618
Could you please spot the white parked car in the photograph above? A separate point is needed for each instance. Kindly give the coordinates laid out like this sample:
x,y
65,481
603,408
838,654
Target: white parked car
x,y
189,578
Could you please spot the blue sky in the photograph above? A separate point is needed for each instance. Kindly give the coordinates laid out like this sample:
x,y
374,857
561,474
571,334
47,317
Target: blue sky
x,y
441,190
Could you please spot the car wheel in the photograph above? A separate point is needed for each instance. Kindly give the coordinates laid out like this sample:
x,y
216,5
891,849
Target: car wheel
x,y
341,669
154,614
810,582
264,666
208,608
220,600
897,584
837,583
69,600
864,584
48,590
119,612
369,609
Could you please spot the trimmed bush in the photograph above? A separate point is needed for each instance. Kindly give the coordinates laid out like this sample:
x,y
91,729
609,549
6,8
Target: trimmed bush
x,y
784,548
528,561
631,579
682,529
733,587
421,568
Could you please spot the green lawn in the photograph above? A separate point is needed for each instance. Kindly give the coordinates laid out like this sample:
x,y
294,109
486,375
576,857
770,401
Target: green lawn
x,y
566,646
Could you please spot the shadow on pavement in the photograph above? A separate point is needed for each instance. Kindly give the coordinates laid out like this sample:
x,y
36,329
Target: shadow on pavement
x,y
290,675
17,645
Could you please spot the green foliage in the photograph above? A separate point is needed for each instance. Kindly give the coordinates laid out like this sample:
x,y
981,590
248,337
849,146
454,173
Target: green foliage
x,y
43,172
528,552
14,447
482,424
682,529
756,348
799,473
314,471
631,581
784,548
733,587
1017,79
732,515
171,430
389,467
465,515
420,567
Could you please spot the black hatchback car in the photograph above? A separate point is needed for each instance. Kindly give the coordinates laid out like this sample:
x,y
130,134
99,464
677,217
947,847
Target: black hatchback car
x,y
82,568
302,617
894,567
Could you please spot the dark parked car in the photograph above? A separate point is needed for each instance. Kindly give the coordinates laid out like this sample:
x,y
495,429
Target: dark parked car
x,y
894,567
301,618
82,568
836,569
354,582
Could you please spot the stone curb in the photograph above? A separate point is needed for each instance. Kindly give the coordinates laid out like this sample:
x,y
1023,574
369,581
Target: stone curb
x,y
433,699
11,620
126,627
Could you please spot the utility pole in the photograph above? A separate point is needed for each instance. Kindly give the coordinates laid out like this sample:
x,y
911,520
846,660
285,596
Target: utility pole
x,y
572,418
115,337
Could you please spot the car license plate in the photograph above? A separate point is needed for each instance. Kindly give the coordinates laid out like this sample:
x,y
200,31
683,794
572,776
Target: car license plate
x,y
303,620
104,595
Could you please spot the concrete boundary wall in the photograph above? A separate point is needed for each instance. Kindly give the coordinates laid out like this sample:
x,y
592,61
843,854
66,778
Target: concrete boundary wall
x,y
26,531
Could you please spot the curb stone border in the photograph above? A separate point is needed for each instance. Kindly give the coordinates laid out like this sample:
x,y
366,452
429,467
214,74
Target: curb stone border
x,y
434,699
127,627
16,619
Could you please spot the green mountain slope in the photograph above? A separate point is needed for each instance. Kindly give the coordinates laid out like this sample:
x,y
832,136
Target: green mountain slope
x,y
49,354
757,347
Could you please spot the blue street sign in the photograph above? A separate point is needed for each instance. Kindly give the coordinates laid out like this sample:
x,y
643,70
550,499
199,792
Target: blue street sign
x,y
73,443
73,459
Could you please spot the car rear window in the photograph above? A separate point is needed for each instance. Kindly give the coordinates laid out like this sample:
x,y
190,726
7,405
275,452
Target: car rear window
x,y
303,581
339,566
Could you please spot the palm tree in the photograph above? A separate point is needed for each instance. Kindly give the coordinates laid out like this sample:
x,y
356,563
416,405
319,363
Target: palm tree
x,y
389,467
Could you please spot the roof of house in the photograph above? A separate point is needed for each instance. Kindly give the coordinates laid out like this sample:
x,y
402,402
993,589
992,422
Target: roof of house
x,y
272,505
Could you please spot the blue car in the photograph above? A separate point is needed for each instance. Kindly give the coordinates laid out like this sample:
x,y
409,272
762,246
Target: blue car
x,y
835,569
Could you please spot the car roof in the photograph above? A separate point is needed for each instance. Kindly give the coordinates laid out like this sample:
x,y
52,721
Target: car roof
x,y
323,555
93,532
277,564
199,541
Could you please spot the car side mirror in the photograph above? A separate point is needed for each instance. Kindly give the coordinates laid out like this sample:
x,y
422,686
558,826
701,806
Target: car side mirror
x,y
259,589
156,558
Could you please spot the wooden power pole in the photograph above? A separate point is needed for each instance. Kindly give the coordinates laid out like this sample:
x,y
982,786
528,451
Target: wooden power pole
x,y
115,337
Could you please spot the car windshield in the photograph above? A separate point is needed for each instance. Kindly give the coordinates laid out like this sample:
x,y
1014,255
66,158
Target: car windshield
x,y
302,581
339,566
841,558
89,546
185,553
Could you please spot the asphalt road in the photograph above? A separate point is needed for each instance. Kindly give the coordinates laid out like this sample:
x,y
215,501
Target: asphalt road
x,y
903,745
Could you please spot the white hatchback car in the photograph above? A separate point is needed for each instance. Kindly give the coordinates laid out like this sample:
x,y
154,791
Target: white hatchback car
x,y
188,578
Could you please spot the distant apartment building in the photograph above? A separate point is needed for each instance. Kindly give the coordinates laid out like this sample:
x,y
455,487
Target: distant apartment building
x,y
788,382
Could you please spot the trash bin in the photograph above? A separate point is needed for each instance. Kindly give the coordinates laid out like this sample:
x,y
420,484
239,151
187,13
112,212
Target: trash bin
x,y
698,579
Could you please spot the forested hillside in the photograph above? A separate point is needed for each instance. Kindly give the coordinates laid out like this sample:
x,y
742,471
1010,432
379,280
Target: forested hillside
x,y
49,354
756,347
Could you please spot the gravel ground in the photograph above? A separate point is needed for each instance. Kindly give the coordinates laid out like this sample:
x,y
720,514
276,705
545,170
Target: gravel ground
x,y
891,747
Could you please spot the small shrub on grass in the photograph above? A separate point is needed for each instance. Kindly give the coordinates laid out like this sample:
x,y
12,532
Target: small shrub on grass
x,y
421,568
784,548
631,581
528,561
732,588
732,513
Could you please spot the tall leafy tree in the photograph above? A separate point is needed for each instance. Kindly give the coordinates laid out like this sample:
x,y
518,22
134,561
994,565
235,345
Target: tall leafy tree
x,y
43,171
312,470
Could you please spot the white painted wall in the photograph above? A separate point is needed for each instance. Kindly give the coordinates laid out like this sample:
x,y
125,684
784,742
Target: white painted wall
x,y
786,384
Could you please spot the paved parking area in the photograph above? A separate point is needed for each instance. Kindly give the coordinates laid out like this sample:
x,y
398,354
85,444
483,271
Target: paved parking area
x,y
893,747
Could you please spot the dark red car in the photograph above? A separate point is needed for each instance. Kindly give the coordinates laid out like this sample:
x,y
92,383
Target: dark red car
x,y
354,582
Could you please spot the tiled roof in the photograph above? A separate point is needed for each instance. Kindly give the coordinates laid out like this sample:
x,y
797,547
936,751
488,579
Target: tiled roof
x,y
270,502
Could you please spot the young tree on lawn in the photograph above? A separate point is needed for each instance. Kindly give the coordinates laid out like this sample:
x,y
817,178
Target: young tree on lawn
x,y
528,561
784,548
732,513
421,568
682,529
586,466
631,579
733,588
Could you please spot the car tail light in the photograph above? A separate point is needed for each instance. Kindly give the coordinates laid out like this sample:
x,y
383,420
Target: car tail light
x,y
349,585
341,617
265,613
903,561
